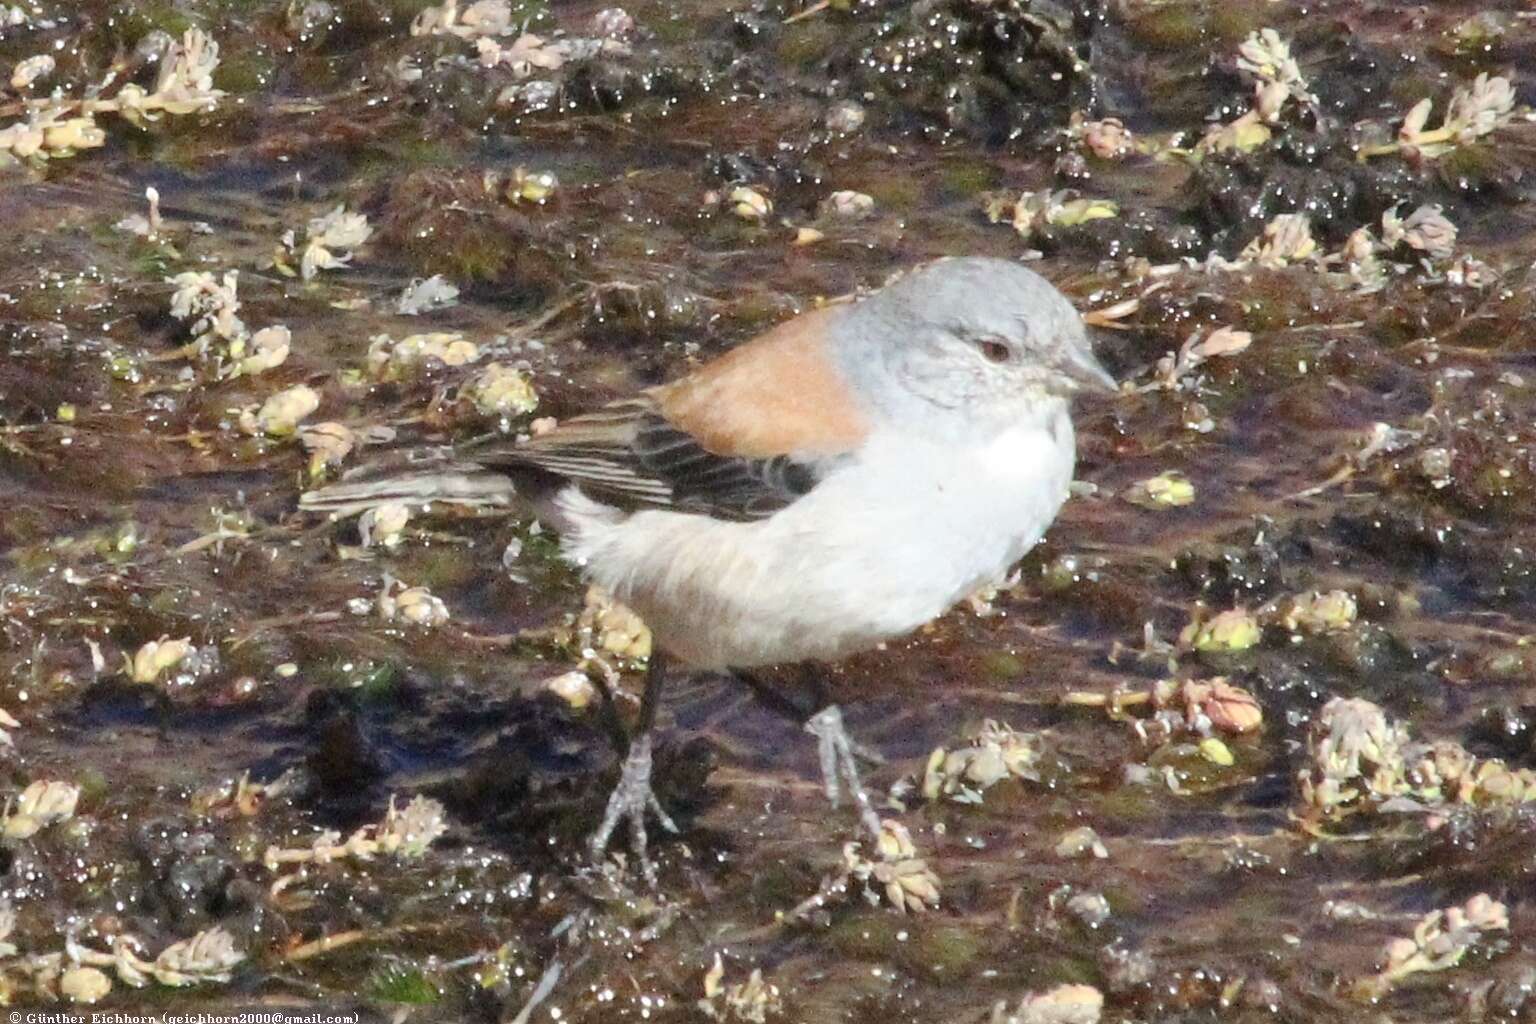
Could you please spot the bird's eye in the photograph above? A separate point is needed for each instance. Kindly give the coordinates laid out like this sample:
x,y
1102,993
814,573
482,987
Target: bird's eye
x,y
994,350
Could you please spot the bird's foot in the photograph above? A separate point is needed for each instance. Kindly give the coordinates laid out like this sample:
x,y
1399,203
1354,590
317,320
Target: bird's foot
x,y
839,768
630,801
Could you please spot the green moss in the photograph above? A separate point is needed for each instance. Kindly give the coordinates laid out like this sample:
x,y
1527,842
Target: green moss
x,y
779,884
52,301
405,153
133,21
248,843
1066,970
675,27
630,245
966,179
243,8
894,191
475,253
1002,665
1365,651
399,984
244,70
867,936
1509,666
1264,314
946,951
1170,28
757,310
1233,22
168,602
1470,165
23,527
119,543
440,567
155,260
808,41
1131,803
1407,90
370,680
167,17
94,785
404,10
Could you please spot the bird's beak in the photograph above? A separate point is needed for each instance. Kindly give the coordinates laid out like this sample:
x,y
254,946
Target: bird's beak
x,y
1086,373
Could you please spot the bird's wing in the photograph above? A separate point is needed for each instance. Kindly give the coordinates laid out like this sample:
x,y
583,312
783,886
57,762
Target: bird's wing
x,y
740,438
629,454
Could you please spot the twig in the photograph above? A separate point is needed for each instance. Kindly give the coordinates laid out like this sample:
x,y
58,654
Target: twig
x,y
326,943
551,314
547,982
339,940
1344,474
1113,701
831,886
815,8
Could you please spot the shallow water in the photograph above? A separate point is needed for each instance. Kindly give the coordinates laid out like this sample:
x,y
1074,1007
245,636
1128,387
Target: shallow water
x,y
1218,900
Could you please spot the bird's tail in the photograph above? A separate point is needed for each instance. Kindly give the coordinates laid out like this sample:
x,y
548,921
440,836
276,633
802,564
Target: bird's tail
x,y
414,480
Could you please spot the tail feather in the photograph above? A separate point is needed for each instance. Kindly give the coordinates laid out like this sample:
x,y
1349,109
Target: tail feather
x,y
456,483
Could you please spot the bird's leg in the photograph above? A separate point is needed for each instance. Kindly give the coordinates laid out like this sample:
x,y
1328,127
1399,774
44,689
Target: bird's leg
x,y
633,797
835,749
839,766
606,679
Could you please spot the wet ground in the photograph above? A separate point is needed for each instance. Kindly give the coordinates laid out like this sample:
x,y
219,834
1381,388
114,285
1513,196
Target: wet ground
x,y
601,200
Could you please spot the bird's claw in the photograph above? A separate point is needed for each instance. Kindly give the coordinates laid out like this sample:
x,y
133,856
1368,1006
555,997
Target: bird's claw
x,y
838,765
630,801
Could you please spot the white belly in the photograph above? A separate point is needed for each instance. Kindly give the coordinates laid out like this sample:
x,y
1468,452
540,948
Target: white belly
x,y
879,548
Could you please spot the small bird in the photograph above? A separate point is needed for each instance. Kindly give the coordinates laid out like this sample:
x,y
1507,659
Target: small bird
x,y
835,483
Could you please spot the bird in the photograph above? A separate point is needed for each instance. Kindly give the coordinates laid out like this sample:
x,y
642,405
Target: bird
x,y
830,485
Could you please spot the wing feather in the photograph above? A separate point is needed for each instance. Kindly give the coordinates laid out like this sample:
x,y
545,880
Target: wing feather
x,y
630,454
739,438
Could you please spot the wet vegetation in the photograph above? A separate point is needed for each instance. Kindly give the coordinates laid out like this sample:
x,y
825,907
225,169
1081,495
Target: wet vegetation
x,y
1248,738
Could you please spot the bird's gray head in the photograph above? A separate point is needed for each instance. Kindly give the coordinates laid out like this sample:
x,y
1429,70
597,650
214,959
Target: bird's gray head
x,y
986,338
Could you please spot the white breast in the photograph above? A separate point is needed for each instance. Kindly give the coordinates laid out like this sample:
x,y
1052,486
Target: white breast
x,y
886,543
